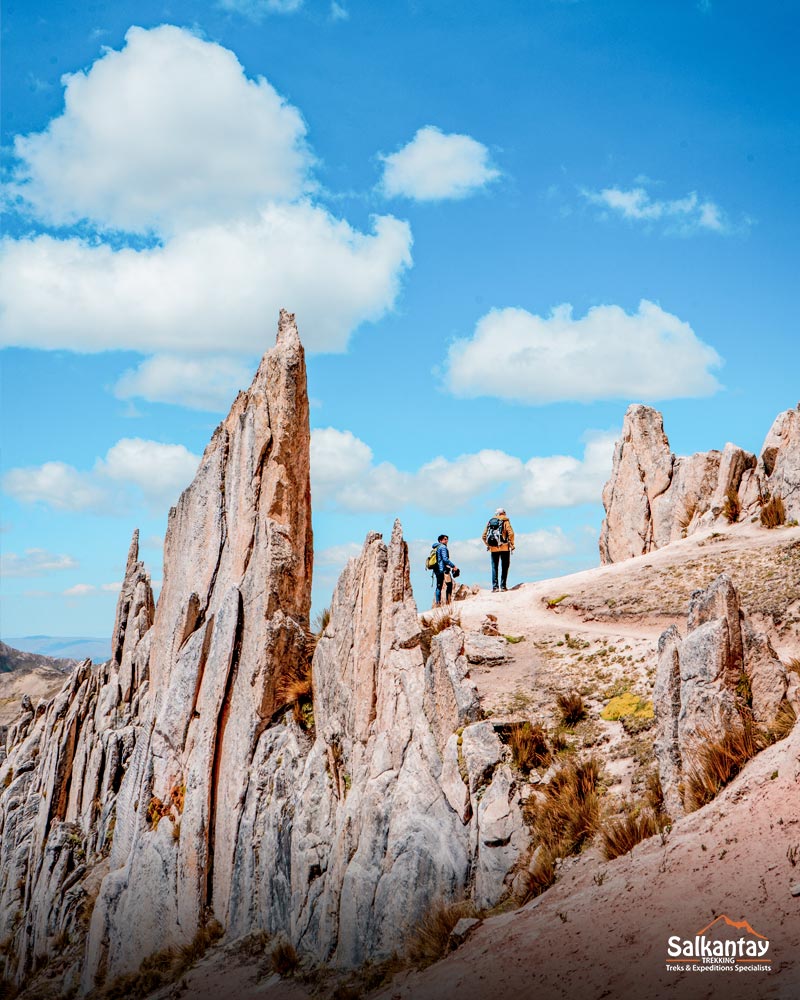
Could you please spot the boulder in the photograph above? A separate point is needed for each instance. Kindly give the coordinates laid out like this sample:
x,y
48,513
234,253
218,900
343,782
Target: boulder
x,y
702,681
488,649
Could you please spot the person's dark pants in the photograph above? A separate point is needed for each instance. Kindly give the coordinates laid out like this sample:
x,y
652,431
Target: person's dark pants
x,y
501,560
439,583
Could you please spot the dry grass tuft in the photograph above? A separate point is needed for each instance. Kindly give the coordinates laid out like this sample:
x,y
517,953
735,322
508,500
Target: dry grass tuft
x,y
314,634
571,709
732,508
619,836
784,722
563,819
285,959
542,875
164,967
529,746
654,793
428,943
441,619
773,513
191,953
296,689
718,761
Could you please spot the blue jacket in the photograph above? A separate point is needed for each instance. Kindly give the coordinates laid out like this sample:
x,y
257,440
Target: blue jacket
x,y
443,559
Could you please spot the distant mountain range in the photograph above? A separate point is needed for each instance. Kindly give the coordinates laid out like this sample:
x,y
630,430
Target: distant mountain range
x,y
68,647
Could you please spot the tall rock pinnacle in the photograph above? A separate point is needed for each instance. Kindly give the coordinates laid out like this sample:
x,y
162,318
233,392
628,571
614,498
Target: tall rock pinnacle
x,y
230,625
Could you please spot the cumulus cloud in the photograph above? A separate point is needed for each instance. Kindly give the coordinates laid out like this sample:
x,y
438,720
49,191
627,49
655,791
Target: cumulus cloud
x,y
198,384
57,485
344,475
607,354
681,215
563,480
337,555
80,590
220,281
436,165
195,186
158,471
34,562
163,135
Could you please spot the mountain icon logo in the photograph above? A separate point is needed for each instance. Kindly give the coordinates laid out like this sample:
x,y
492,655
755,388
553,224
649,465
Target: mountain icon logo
x,y
723,945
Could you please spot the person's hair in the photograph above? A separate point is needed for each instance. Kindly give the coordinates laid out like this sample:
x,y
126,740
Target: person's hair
x,y
441,537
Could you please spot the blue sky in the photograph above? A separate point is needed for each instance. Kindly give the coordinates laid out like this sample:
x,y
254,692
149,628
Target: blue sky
x,y
497,223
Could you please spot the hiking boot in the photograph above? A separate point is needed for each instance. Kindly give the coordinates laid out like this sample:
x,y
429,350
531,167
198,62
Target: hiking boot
x,y
504,588
495,589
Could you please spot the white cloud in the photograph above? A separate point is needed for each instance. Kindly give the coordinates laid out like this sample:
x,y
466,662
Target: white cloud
x,y
34,562
337,555
200,384
336,457
607,354
257,10
564,481
111,588
164,134
220,282
338,12
682,215
168,137
436,165
57,485
343,475
158,471
80,590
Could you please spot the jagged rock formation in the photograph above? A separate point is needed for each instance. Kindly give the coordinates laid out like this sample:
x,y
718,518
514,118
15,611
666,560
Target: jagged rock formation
x,y
230,626
178,784
705,682
60,780
653,497
369,837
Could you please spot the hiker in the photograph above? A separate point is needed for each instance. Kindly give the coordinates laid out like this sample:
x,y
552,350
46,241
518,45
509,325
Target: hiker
x,y
443,571
499,540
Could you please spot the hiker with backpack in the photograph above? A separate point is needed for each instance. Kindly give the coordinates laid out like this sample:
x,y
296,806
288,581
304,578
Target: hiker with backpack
x,y
498,538
443,569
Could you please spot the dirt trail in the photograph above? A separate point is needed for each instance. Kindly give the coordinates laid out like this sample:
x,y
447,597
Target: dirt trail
x,y
601,637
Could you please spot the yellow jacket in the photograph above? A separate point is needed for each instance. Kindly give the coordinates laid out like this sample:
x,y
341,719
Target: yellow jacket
x,y
507,530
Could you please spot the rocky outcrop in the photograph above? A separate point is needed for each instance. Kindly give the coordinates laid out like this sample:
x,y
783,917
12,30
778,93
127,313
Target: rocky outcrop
x,y
60,782
721,675
653,497
229,630
195,777
345,845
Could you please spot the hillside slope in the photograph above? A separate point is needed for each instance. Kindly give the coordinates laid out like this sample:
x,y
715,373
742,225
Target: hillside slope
x,y
601,930
24,673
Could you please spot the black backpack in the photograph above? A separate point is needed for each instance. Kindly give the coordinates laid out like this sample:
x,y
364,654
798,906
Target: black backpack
x,y
496,532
